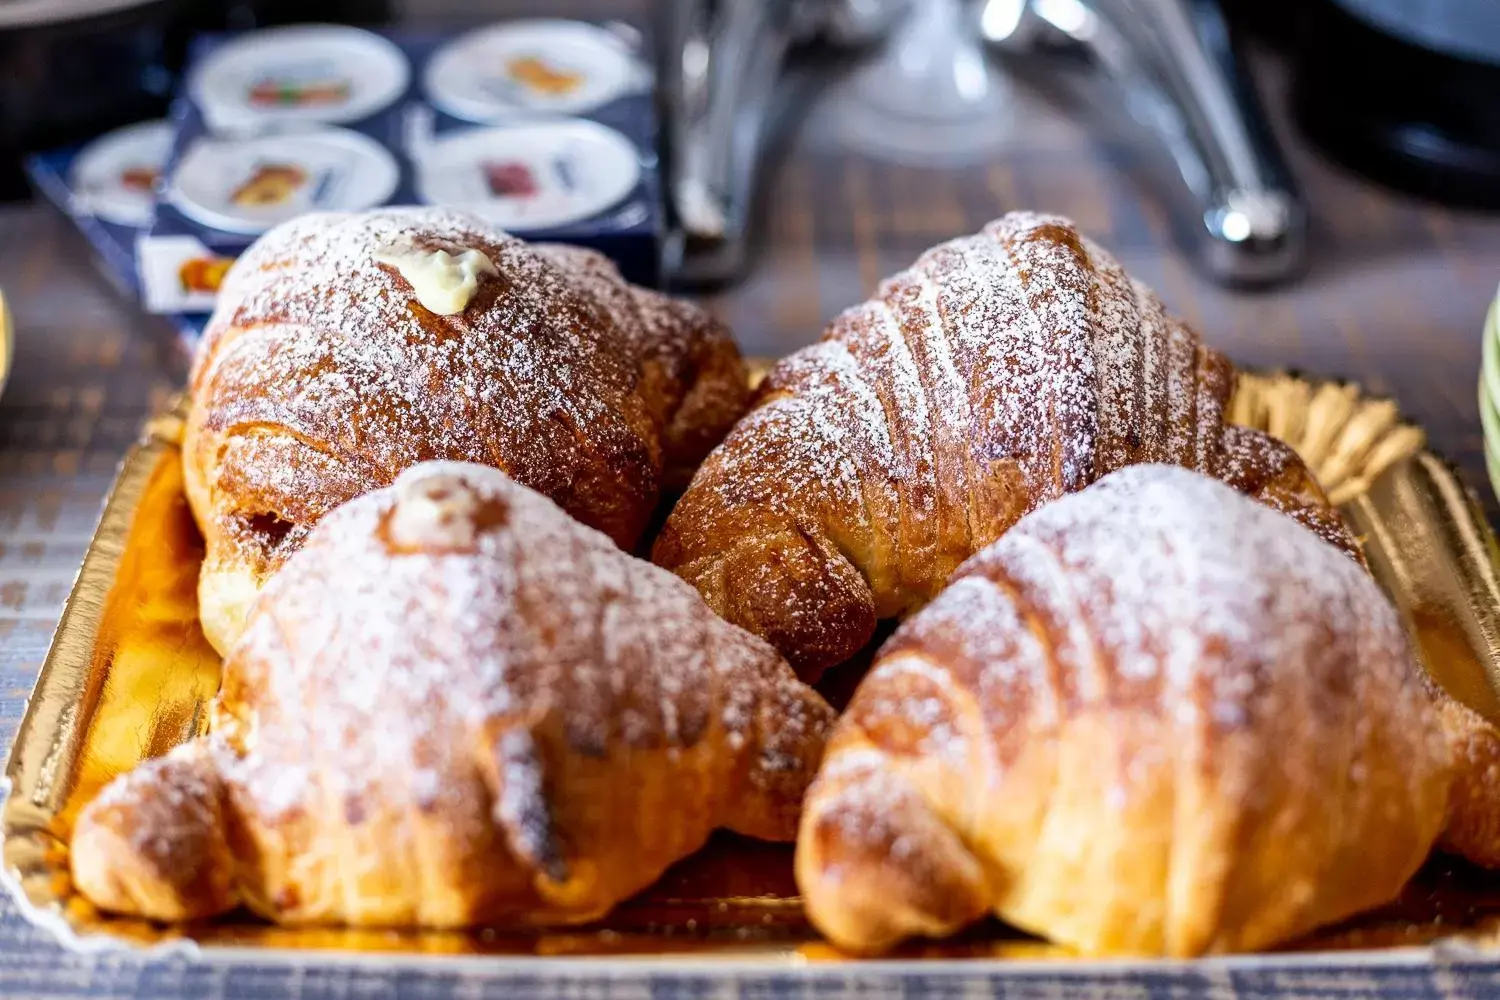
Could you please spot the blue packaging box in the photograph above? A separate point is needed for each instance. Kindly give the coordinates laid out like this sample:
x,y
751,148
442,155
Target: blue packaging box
x,y
114,242
106,188
546,128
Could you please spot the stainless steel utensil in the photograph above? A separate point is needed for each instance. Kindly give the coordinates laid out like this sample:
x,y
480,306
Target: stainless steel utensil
x,y
1171,61
1178,73
721,63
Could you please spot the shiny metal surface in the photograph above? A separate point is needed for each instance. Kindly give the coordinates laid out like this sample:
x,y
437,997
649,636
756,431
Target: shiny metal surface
x,y
1170,60
1176,70
1254,219
721,63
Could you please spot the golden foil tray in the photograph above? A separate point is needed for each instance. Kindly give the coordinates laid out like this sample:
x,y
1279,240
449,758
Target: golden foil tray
x,y
129,675
7,342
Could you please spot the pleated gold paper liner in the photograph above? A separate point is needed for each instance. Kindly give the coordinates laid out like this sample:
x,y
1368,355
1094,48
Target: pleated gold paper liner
x,y
1425,536
1347,439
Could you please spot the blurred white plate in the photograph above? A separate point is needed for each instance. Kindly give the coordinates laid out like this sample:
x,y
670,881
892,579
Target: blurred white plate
x,y
529,177
301,73
249,185
532,67
114,176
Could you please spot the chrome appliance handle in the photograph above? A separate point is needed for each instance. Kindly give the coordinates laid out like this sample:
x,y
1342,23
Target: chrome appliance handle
x,y
1255,220
721,61
1179,73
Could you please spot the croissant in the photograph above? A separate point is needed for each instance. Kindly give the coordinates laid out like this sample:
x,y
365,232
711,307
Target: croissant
x,y
1154,718
323,375
456,705
1002,371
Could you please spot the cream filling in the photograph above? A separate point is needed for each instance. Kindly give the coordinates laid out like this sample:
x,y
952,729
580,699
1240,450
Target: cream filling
x,y
442,282
434,512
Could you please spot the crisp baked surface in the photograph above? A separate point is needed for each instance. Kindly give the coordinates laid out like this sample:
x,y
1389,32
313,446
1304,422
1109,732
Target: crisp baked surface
x,y
1000,372
1473,826
457,705
321,377
1155,718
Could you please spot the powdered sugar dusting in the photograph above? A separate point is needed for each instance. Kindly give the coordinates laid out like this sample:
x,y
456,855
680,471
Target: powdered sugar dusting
x,y
192,799
1001,371
314,326
523,640
168,811
1155,674
321,377
1187,593
660,329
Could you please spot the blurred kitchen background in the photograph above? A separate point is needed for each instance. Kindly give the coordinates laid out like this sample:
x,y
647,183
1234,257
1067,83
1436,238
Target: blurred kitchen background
x,y
1311,182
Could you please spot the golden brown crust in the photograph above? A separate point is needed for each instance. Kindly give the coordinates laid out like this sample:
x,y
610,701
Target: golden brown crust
x,y
1154,718
456,705
183,871
321,378
1262,467
692,375
1001,371
1473,825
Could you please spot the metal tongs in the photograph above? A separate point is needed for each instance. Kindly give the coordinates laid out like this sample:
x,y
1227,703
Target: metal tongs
x,y
1171,60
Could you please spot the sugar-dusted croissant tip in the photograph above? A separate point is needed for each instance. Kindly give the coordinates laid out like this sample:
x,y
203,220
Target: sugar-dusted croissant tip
x,y
456,705
1156,717
999,372
876,865
154,842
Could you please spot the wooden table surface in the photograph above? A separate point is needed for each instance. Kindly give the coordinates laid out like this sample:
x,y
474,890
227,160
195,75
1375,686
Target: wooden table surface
x,y
1395,297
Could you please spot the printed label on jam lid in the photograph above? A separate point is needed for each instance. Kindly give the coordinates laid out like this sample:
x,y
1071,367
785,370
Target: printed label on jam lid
x,y
114,177
530,67
529,177
250,185
319,73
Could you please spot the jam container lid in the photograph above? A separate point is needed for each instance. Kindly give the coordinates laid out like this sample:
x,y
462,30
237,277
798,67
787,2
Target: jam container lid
x,y
531,176
531,67
299,73
248,185
114,177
